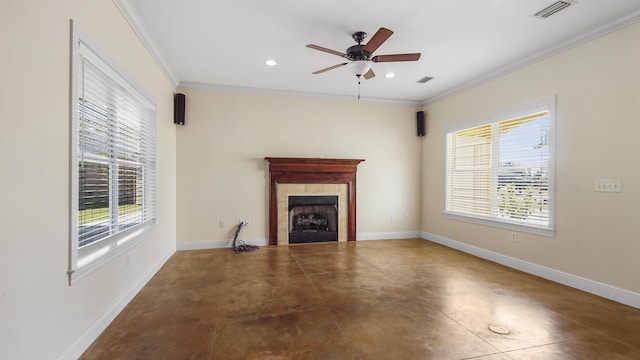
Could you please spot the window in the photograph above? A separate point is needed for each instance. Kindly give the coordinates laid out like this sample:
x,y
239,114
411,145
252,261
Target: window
x,y
500,171
113,159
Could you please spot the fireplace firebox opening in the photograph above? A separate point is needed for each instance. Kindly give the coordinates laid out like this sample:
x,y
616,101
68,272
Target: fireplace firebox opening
x,y
313,219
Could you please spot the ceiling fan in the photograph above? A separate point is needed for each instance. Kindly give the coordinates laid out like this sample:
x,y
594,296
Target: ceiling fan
x,y
361,56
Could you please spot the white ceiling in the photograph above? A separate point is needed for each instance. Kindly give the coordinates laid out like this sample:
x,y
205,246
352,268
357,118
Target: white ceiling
x,y
224,43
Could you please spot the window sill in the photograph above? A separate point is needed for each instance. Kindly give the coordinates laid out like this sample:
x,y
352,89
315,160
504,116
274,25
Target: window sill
x,y
97,255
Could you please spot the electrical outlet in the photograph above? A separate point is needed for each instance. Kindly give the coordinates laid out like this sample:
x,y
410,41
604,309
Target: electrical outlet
x,y
223,224
514,237
245,222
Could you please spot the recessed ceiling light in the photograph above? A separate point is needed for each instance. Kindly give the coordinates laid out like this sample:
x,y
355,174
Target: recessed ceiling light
x,y
271,62
389,75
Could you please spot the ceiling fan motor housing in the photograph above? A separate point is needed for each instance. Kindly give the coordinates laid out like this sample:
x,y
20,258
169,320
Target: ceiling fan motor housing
x,y
355,53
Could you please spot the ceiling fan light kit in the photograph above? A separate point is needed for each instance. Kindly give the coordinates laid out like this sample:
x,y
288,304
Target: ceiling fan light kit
x,y
359,67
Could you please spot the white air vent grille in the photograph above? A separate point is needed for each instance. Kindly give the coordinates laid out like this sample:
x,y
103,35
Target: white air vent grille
x,y
552,9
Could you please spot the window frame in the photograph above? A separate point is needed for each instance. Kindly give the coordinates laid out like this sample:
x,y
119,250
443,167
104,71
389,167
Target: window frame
x,y
83,260
545,104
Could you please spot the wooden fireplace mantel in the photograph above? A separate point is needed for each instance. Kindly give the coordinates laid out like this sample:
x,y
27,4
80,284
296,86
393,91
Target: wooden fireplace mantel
x,y
284,170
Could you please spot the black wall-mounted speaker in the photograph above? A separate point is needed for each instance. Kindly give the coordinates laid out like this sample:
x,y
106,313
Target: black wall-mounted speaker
x,y
420,123
179,101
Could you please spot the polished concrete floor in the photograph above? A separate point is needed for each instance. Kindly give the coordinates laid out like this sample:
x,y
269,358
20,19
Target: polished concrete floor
x,y
400,299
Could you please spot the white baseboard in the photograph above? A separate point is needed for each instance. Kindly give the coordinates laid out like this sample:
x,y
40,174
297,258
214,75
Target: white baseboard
x,y
221,244
388,235
90,334
594,287
218,244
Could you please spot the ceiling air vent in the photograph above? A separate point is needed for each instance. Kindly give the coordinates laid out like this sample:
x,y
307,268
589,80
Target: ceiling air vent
x,y
552,9
425,79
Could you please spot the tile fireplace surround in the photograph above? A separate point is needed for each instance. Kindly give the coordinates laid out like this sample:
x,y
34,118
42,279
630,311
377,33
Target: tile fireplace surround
x,y
311,176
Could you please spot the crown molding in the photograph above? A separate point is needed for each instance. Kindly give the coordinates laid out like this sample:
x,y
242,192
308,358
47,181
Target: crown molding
x,y
291,93
133,18
629,19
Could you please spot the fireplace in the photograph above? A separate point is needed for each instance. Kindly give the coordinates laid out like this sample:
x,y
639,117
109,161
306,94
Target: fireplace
x,y
309,178
313,219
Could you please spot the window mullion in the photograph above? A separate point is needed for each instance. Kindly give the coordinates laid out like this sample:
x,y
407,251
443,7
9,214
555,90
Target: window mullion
x,y
113,195
450,153
113,162
494,168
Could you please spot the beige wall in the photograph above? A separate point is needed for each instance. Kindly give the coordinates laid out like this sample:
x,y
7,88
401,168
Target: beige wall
x,y
221,166
40,314
597,126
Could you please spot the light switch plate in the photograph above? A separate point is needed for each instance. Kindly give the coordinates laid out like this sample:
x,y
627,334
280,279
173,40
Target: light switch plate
x,y
608,185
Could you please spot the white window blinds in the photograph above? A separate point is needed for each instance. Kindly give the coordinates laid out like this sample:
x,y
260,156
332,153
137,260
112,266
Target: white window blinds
x,y
501,171
114,155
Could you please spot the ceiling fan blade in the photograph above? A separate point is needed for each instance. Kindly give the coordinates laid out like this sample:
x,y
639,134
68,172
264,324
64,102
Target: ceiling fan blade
x,y
334,52
369,74
396,57
329,68
378,38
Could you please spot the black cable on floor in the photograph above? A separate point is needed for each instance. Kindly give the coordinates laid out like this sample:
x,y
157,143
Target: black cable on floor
x,y
238,245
